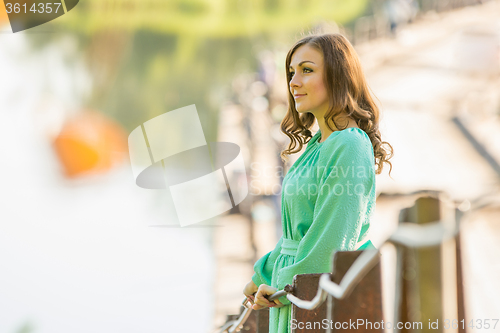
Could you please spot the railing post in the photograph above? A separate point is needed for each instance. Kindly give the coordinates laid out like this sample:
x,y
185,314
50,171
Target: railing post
x,y
262,320
421,298
364,302
460,283
305,286
257,321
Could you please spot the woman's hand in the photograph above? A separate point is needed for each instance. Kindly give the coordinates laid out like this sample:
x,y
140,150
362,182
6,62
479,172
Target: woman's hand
x,y
262,302
249,291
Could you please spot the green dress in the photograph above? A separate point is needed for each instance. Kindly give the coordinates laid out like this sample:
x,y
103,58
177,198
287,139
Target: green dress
x,y
327,198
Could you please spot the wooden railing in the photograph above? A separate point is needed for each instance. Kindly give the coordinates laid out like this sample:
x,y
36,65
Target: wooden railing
x,y
353,291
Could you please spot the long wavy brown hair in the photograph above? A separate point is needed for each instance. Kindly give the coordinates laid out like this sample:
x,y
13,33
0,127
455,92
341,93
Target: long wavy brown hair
x,y
348,95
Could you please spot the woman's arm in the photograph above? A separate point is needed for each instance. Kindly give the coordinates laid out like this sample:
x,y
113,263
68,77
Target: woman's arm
x,y
264,266
261,280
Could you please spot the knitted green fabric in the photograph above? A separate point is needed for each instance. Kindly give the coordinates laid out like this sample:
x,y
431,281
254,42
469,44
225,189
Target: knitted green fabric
x,y
327,198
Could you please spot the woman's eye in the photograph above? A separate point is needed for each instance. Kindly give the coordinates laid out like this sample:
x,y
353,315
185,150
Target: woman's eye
x,y
307,70
292,73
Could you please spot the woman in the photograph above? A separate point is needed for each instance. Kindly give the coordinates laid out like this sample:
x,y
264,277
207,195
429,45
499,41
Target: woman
x,y
328,195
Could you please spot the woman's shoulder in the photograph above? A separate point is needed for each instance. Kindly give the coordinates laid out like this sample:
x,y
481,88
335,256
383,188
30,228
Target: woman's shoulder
x,y
349,138
347,146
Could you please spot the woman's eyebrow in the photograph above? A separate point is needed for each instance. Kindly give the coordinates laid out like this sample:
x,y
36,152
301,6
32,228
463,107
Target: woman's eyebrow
x,y
300,63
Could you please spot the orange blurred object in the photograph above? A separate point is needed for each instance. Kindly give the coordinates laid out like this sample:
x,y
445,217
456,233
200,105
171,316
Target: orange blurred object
x,y
4,19
90,143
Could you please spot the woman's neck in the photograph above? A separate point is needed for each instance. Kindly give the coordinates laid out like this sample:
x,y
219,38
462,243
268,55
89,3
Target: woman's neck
x,y
326,131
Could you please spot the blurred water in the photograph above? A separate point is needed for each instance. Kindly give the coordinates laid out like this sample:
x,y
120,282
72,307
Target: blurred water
x,y
80,256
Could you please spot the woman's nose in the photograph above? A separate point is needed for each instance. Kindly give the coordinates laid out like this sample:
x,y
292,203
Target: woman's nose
x,y
295,82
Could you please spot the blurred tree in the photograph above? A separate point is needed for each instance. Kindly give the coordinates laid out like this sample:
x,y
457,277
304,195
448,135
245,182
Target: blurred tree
x,y
150,57
211,18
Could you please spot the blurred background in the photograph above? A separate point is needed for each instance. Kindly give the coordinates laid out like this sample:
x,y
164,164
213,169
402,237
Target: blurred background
x,y
83,249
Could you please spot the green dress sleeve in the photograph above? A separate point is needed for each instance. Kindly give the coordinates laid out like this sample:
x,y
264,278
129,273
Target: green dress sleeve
x,y
264,266
346,192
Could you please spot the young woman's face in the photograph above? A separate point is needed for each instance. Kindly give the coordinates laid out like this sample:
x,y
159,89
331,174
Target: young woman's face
x,y
307,85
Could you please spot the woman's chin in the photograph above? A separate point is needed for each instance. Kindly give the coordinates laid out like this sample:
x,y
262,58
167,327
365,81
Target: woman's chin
x,y
301,108
303,111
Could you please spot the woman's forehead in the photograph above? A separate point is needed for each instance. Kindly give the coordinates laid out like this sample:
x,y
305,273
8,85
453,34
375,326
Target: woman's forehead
x,y
306,53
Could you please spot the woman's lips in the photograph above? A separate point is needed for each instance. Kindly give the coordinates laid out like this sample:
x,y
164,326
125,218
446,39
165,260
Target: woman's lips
x,y
298,95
